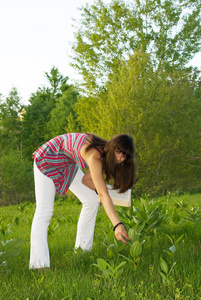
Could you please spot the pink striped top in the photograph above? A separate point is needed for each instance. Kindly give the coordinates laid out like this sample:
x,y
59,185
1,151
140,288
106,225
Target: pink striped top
x,y
60,158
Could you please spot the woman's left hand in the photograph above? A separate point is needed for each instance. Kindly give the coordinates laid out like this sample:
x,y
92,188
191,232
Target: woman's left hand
x,y
120,234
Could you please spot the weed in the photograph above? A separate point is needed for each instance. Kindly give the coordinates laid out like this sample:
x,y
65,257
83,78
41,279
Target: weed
x,y
193,214
52,226
109,270
165,270
9,247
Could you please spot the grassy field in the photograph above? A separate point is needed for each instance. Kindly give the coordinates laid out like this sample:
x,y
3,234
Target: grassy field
x,y
167,268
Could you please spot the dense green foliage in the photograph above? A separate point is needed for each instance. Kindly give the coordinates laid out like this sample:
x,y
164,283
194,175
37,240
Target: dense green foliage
x,y
170,227
24,128
47,112
17,182
107,33
161,113
10,122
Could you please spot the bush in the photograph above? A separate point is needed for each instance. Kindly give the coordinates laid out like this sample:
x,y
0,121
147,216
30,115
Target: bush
x,y
16,179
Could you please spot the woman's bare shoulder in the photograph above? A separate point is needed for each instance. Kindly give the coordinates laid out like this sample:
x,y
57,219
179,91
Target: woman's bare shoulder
x,y
91,154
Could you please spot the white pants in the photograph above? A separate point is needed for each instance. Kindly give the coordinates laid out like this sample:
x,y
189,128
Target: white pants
x,y
45,195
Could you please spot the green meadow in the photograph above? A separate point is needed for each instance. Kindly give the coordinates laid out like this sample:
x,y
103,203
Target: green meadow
x,y
162,261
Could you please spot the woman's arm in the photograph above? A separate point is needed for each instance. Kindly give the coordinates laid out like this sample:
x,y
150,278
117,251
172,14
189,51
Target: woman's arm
x,y
95,167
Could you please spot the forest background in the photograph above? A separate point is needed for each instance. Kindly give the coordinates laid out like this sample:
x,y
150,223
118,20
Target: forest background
x,y
133,60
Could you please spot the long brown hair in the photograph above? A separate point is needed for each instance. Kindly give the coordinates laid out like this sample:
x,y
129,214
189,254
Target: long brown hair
x,y
123,173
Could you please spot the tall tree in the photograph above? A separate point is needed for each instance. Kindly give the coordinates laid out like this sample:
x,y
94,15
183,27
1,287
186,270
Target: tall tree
x,y
35,120
58,83
16,182
169,30
47,112
10,123
59,116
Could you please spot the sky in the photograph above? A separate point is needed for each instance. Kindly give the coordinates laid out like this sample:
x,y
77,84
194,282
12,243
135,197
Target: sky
x,y
36,35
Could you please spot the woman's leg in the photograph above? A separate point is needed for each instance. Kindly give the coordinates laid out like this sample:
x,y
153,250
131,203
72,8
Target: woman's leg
x,y
87,219
45,195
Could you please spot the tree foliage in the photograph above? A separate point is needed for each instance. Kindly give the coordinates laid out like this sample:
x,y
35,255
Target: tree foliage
x,y
10,121
168,30
60,114
24,128
161,111
35,120
16,178
133,56
47,112
58,83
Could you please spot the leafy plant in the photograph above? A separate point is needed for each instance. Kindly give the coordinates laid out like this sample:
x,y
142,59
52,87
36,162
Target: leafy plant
x,y
109,270
23,206
8,247
173,248
193,214
176,217
165,270
52,226
111,251
134,234
135,247
146,215
17,220
107,238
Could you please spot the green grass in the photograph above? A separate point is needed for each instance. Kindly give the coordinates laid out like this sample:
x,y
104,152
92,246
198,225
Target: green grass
x,y
73,276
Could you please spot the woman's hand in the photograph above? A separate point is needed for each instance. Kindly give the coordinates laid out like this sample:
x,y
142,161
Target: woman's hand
x,y
120,233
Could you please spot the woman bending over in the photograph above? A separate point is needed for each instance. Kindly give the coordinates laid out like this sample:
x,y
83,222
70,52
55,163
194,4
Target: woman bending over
x,y
57,168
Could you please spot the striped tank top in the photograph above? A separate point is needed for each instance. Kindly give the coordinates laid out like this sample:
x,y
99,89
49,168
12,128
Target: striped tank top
x,y
60,159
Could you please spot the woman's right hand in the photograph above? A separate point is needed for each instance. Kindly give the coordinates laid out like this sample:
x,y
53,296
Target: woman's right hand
x,y
120,233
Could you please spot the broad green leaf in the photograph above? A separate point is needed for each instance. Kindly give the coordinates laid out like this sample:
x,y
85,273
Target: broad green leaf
x,y
164,266
107,273
13,244
11,253
136,249
176,217
110,237
102,264
133,235
111,251
142,214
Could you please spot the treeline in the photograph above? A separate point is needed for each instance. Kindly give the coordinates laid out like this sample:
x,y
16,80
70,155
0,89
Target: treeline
x,y
24,128
133,60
